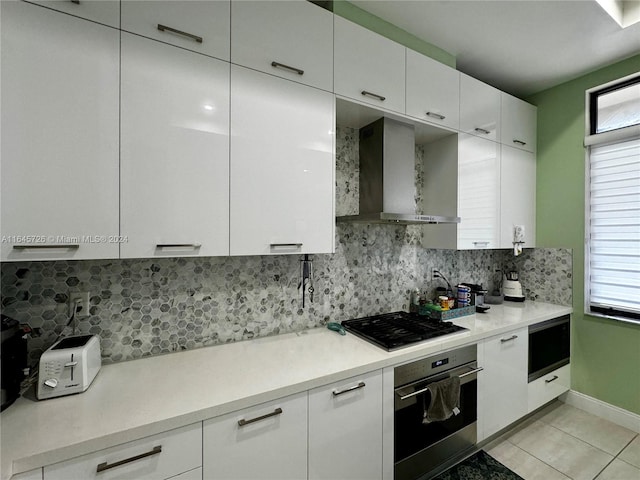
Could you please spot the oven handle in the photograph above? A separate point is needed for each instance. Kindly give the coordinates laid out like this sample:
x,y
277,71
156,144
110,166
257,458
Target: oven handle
x,y
422,390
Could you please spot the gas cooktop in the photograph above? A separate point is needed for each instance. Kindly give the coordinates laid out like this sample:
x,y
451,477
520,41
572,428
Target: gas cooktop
x,y
399,329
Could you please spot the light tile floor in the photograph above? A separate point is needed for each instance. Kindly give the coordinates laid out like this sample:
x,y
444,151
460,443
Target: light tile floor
x,y
563,442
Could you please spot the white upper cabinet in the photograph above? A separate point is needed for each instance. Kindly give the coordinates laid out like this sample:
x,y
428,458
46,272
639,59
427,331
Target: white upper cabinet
x,y
174,151
479,108
289,39
519,123
101,11
59,135
201,26
282,166
478,193
433,91
517,196
463,180
368,67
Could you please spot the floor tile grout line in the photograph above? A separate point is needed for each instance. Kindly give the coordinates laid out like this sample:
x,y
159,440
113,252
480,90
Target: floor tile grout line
x,y
539,459
590,444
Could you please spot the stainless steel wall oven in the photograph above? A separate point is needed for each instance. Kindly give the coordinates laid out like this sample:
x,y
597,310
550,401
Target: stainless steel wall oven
x,y
421,448
549,346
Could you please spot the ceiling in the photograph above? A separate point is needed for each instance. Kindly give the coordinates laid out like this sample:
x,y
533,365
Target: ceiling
x,y
519,46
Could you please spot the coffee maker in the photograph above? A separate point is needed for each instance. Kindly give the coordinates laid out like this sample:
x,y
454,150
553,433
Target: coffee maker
x,y
13,353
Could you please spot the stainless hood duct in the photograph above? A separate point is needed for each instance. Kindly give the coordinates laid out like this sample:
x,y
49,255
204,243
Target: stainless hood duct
x,y
387,176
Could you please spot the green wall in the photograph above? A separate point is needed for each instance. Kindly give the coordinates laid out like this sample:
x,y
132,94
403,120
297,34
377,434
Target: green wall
x,y
605,354
376,24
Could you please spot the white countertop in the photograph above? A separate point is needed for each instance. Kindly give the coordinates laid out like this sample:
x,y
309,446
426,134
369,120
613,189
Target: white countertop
x,y
135,399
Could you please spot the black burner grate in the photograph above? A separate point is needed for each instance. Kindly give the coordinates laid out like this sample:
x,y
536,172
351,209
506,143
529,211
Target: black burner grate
x,y
399,329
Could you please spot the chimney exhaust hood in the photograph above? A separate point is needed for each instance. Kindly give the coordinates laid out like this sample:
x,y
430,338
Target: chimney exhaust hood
x,y
387,176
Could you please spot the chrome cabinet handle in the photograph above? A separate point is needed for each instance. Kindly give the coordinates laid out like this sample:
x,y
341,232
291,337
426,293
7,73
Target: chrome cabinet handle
x,y
243,422
374,95
164,28
287,67
436,115
178,245
77,2
71,246
285,245
519,142
512,337
481,243
555,377
350,389
482,131
105,466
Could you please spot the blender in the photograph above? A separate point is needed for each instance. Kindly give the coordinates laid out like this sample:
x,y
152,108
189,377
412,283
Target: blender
x,y
512,288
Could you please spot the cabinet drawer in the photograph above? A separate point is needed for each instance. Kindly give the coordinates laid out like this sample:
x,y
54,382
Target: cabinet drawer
x,y
268,441
201,26
548,387
433,91
158,457
368,67
289,39
101,11
345,429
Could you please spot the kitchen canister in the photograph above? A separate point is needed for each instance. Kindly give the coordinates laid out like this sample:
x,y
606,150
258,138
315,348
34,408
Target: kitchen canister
x,y
464,295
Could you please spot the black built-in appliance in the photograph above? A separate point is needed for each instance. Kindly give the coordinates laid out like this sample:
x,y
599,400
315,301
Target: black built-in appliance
x,y
549,346
13,353
424,449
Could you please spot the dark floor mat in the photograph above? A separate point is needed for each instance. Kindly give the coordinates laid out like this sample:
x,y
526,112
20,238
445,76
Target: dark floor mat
x,y
479,466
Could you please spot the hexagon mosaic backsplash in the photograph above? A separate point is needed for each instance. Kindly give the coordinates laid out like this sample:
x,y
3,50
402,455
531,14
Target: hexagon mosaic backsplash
x,y
153,306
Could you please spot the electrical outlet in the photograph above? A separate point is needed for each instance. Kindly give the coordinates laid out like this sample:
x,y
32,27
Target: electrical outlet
x,y
434,273
83,305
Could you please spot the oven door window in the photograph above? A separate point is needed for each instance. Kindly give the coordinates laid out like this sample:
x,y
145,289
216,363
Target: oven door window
x,y
412,436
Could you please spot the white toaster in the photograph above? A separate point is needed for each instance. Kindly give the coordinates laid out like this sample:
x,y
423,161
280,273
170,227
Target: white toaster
x,y
69,366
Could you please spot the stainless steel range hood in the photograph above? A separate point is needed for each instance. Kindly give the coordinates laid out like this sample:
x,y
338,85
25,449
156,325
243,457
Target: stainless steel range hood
x,y
387,176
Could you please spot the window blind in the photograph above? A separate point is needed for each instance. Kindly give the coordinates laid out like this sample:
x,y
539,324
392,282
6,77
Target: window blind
x,y
614,229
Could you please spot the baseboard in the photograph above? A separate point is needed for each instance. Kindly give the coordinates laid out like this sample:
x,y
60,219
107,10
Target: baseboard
x,y
614,414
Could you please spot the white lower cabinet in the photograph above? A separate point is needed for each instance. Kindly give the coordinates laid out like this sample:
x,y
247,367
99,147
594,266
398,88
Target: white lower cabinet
x,y
548,387
502,385
158,457
345,429
195,474
282,166
30,475
268,441
174,166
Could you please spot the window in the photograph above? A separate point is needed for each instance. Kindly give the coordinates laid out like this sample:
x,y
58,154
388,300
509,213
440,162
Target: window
x,y
613,209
